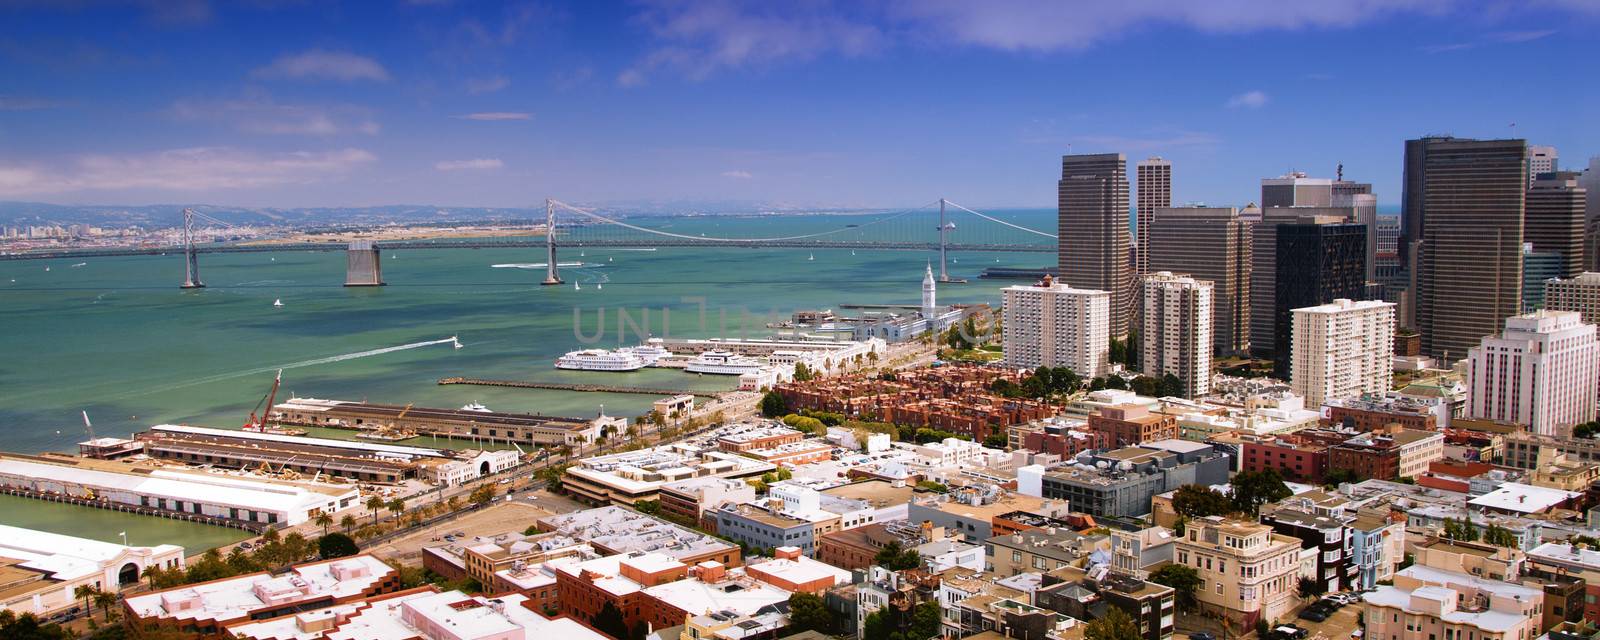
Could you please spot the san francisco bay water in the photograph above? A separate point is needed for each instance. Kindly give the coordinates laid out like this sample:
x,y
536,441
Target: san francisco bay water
x,y
116,337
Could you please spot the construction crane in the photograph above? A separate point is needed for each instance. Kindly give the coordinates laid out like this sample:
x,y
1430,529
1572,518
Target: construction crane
x,y
259,423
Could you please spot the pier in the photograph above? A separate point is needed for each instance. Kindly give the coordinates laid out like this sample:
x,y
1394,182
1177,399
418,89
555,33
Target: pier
x,y
562,386
100,503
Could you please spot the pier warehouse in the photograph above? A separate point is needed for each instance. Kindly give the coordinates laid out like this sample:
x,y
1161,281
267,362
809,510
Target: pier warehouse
x,y
317,457
39,570
493,426
172,492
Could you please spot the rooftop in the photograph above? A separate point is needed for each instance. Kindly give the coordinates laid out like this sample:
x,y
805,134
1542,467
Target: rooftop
x,y
188,486
1401,599
62,557
237,597
743,597
1524,498
620,530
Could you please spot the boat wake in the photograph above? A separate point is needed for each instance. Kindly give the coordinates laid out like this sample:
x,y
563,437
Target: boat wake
x,y
292,365
534,265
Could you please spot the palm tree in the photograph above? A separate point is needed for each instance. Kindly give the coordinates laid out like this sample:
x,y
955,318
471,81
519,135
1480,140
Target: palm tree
x,y
86,593
375,503
105,600
453,503
324,519
348,522
396,506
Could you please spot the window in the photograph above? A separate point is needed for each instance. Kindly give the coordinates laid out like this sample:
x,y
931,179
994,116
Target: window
x,y
1219,588
1016,556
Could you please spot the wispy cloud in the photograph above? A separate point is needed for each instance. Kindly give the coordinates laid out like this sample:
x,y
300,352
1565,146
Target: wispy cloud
x,y
490,84
475,164
22,103
737,173
321,64
698,38
496,116
183,170
1500,37
1248,100
260,114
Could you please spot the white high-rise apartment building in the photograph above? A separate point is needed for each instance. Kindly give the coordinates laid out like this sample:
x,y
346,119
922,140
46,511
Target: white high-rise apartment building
x,y
1050,324
1341,350
1541,371
1540,160
1176,335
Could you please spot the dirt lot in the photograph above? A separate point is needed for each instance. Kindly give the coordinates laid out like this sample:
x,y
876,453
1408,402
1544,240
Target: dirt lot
x,y
515,515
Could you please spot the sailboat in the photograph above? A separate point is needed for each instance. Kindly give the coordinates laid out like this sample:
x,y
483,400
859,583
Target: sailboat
x,y
582,254
272,259
575,287
277,302
811,257
456,342
610,259
47,268
599,286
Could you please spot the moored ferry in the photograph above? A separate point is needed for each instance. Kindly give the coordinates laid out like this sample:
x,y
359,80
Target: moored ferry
x,y
723,363
600,360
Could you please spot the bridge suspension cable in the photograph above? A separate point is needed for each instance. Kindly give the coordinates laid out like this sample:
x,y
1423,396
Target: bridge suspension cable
x,y
887,217
1003,222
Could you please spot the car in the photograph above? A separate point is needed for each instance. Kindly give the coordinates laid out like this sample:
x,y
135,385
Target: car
x,y
1330,602
1290,631
1202,636
1310,613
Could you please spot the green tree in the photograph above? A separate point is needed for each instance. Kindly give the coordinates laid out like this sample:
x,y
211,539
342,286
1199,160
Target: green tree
x,y
336,545
1336,477
1114,381
105,600
1460,529
807,612
1172,386
1183,579
348,522
773,405
1146,386
1119,351
925,622
1198,501
803,373
894,557
935,487
1308,588
482,495
647,507
84,592
876,626
996,441
324,520
1114,625
396,506
28,627
610,622
1586,429
375,503
1500,536
1251,489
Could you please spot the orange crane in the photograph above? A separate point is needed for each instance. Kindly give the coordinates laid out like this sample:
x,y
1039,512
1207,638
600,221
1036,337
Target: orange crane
x,y
259,423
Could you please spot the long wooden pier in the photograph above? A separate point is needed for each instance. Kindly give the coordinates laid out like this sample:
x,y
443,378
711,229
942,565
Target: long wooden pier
x,y
563,386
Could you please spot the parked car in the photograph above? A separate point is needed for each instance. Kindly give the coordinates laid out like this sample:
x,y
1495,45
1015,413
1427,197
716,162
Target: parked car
x,y
1313,614
1202,636
1290,631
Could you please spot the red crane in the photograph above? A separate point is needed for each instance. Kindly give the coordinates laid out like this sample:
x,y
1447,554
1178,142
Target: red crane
x,y
259,423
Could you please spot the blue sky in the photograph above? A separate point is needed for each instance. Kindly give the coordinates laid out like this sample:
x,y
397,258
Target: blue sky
x,y
872,103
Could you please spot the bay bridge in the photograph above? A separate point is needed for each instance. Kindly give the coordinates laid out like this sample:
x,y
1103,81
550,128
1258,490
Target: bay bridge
x,y
940,226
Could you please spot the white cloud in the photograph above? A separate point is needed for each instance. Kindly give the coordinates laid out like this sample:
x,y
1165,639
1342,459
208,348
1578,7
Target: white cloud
x,y
475,164
497,116
737,173
183,170
491,84
1248,100
260,114
699,38
324,65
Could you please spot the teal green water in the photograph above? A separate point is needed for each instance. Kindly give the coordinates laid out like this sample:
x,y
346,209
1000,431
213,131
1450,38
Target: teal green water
x,y
105,525
118,338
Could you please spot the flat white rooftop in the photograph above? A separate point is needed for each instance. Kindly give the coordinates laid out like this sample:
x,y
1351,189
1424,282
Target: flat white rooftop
x,y
354,445
234,598
246,493
1523,498
65,557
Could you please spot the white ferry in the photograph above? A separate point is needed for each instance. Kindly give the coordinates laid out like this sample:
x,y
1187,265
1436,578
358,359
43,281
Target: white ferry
x,y
600,360
649,352
723,363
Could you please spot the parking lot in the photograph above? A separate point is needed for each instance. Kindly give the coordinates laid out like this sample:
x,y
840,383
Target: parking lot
x,y
1337,627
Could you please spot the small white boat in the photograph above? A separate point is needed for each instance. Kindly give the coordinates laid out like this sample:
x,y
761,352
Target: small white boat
x,y
811,257
582,254
80,264
456,342
610,259
575,287
474,406
272,259
599,286
47,268
277,303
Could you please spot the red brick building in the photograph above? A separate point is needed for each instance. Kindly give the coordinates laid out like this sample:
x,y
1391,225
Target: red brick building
x,y
1374,415
951,398
1129,425
1294,459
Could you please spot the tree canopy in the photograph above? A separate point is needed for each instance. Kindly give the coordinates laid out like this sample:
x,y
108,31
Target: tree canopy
x,y
1251,489
336,545
892,556
1183,579
1114,625
807,612
773,405
1197,501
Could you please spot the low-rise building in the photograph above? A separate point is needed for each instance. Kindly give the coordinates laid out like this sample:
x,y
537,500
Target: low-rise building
x,y
1130,425
693,499
1040,550
1523,499
1388,455
39,571
1568,559
1296,459
633,476
791,571
615,530
758,437
1374,411
1425,601
970,512
1265,568
1122,482
1085,595
207,608
500,563
424,612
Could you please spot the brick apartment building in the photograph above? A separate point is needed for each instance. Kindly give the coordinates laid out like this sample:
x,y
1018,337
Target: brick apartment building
x,y
1374,413
1128,425
952,398
1296,459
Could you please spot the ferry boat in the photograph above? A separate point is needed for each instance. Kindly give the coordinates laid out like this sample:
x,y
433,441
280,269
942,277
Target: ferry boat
x,y
600,360
475,406
723,363
651,353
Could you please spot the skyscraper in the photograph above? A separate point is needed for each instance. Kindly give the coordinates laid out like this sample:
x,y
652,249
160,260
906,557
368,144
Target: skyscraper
x,y
1051,324
1342,349
1554,219
1541,372
1092,215
1209,243
1469,269
1363,211
1296,190
1580,294
1541,160
1176,332
1154,187
1316,264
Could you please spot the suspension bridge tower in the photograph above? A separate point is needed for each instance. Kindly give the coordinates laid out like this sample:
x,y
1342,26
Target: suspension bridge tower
x,y
551,274
191,260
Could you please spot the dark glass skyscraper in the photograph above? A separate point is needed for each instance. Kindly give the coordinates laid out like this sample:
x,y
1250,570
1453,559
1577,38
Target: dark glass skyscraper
x,y
1092,218
1316,264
